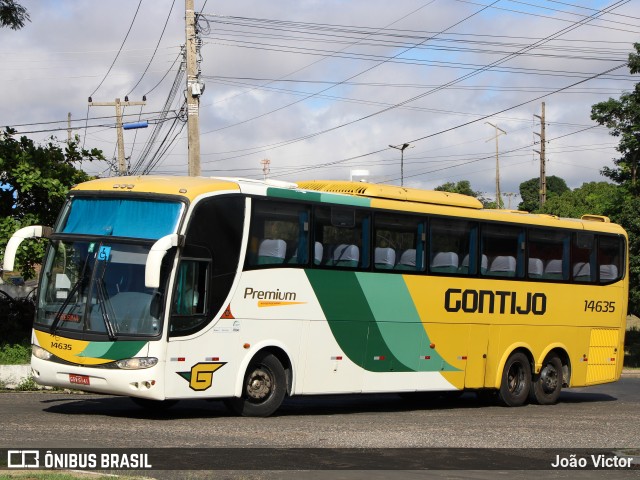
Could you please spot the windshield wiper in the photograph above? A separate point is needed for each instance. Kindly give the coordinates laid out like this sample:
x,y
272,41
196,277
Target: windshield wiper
x,y
104,305
65,304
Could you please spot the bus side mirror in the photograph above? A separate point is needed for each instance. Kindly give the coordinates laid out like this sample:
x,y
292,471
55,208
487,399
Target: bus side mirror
x,y
35,231
154,259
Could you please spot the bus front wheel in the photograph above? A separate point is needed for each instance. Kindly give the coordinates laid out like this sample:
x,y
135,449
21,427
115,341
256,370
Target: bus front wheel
x,y
516,380
263,389
548,383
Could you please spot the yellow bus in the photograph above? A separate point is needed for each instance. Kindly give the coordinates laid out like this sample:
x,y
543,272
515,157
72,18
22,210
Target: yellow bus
x,y
168,288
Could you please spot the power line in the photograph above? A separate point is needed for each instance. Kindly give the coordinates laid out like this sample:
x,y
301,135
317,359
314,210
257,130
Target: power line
x,y
155,50
563,31
119,50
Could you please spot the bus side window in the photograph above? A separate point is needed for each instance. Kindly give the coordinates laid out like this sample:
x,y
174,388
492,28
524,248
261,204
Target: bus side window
x,y
504,248
453,247
583,257
190,292
279,234
399,242
548,254
344,236
610,255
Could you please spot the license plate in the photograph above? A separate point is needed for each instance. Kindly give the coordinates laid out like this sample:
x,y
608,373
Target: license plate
x,y
79,379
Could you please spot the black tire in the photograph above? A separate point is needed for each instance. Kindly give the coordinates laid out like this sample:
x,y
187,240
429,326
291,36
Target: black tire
x,y
263,389
516,381
546,386
156,405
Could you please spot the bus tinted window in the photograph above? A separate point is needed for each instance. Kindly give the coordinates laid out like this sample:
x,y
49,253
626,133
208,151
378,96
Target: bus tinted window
x,y
279,234
399,242
548,253
583,257
610,256
452,248
503,246
342,236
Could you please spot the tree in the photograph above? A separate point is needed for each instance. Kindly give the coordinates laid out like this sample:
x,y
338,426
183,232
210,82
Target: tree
x,y
596,198
34,180
464,188
13,15
624,211
530,192
622,118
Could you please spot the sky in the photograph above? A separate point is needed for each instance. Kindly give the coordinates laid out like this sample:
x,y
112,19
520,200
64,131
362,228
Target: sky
x,y
321,89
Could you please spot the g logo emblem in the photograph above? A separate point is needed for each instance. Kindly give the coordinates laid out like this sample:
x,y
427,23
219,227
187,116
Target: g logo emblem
x,y
201,375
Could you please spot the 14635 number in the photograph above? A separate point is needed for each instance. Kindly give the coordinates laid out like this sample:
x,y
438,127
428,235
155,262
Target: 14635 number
x,y
599,306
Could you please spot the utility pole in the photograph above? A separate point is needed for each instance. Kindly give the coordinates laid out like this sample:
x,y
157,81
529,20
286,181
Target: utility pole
x,y
402,148
541,152
69,128
499,132
194,89
265,167
122,169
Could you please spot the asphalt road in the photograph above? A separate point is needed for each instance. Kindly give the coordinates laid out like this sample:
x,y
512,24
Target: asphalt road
x,y
599,417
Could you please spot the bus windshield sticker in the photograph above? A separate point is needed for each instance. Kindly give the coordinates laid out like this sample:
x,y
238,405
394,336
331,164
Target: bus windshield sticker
x,y
103,254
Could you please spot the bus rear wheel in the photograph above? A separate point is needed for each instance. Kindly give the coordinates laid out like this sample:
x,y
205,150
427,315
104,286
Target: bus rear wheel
x,y
548,383
263,389
516,380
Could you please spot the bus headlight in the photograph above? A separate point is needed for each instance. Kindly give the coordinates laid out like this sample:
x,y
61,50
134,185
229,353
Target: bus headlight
x,y
40,353
137,363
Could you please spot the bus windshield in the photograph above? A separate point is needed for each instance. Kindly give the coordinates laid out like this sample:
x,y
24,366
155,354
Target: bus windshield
x,y
118,217
98,287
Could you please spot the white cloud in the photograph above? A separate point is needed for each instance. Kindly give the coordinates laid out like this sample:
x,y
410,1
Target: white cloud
x,y
52,65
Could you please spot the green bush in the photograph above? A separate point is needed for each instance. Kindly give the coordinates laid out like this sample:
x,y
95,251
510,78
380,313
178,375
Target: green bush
x,y
15,354
632,348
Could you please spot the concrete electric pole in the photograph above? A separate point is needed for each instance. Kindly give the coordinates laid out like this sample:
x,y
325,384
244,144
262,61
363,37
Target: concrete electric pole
x,y
122,168
499,132
543,160
194,90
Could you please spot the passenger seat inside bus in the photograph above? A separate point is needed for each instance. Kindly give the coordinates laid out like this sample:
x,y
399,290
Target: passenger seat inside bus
x,y
445,262
553,269
346,256
536,268
582,272
385,258
318,251
503,266
407,260
608,272
272,251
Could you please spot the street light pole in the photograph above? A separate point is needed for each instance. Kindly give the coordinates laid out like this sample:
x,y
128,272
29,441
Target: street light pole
x,y
402,148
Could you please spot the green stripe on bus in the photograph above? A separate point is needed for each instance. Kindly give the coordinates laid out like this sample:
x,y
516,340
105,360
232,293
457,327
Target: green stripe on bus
x,y
352,321
399,321
113,350
318,197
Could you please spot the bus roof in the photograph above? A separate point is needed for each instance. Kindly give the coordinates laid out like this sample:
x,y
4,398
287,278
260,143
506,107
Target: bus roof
x,y
341,192
188,187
